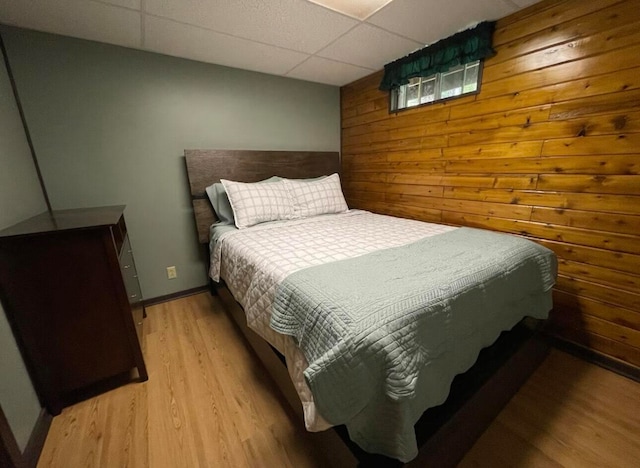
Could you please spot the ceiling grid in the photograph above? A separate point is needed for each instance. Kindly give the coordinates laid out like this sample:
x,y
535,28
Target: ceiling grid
x,y
294,38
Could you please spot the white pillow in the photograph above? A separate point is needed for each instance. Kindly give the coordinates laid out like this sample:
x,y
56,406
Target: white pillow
x,y
318,197
220,200
258,203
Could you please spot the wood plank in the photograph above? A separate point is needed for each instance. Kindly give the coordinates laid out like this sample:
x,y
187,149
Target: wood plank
x,y
574,305
557,92
423,190
395,166
414,201
362,90
349,185
365,195
525,421
528,12
383,114
374,188
602,344
400,121
601,164
617,261
624,204
498,210
627,100
615,184
547,18
567,414
501,181
505,448
403,211
380,114
625,301
606,19
364,177
627,224
571,50
590,238
426,154
522,149
363,158
602,74
419,142
622,281
394,128
606,144
598,326
608,124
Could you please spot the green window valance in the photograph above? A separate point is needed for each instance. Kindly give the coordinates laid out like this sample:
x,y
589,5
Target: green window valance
x,y
463,47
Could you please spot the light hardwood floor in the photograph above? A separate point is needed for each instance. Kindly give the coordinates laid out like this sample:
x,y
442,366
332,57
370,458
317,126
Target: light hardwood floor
x,y
208,403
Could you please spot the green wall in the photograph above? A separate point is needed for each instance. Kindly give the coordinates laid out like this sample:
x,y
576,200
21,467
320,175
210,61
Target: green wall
x,y
20,198
110,124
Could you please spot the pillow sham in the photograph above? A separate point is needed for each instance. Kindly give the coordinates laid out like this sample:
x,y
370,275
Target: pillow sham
x,y
258,203
220,200
318,197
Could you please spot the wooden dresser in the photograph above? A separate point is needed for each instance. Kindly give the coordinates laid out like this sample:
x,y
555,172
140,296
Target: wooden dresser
x,y
70,290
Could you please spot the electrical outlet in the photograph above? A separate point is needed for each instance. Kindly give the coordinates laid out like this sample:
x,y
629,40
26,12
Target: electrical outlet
x,y
171,272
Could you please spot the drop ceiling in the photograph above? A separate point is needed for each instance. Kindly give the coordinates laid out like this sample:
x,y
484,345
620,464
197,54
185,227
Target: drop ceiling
x,y
294,38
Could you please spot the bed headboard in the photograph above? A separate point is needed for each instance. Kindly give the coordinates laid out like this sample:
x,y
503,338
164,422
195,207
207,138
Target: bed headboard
x,y
204,167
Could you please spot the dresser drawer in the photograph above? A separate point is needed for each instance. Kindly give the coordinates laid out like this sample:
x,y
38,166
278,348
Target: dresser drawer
x,y
132,285
129,273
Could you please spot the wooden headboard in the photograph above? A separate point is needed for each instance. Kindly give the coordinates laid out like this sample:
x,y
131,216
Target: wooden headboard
x,y
204,167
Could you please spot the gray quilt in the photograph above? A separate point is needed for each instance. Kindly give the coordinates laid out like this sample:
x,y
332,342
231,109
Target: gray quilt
x,y
385,333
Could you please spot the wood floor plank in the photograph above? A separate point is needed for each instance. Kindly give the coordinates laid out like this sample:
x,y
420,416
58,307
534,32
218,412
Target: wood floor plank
x,y
209,403
573,413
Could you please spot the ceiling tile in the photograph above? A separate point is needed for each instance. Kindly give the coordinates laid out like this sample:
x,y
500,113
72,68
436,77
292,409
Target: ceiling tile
x,y
292,24
369,46
327,71
76,18
360,9
181,40
133,4
524,3
428,21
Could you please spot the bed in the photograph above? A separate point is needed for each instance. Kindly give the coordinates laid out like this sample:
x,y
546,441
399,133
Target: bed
x,y
359,371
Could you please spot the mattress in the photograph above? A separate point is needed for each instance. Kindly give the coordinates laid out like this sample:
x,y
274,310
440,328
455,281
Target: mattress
x,y
290,259
252,262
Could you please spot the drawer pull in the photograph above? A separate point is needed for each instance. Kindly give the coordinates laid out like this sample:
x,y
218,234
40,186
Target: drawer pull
x,y
133,296
135,276
126,267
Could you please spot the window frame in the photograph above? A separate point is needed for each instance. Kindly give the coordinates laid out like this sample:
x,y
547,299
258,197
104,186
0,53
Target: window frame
x,y
394,93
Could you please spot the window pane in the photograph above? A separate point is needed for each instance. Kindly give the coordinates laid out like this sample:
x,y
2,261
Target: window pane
x,y
451,83
413,88
402,97
471,79
428,90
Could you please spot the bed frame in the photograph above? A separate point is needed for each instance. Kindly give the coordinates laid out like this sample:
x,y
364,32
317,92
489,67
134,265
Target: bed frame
x,y
444,433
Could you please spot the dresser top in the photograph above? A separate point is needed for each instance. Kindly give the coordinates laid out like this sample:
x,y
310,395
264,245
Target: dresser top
x,y
63,220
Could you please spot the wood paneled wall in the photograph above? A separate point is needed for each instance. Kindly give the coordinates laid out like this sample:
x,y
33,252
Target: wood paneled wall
x,y
549,149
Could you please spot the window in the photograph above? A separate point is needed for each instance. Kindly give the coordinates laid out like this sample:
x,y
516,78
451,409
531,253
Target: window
x,y
459,80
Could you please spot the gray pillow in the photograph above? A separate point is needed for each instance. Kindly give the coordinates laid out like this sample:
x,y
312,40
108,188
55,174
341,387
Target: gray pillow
x,y
220,200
